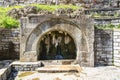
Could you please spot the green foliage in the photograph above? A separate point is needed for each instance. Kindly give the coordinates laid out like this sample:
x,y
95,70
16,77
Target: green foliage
x,y
118,26
54,7
8,22
96,15
116,14
6,9
104,15
108,26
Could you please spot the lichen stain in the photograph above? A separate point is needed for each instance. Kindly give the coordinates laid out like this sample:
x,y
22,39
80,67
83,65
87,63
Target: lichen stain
x,y
27,73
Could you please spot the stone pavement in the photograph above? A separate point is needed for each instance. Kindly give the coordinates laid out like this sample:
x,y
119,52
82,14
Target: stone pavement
x,y
87,73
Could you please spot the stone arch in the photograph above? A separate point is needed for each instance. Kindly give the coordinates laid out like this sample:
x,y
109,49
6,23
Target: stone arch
x,y
72,29
46,25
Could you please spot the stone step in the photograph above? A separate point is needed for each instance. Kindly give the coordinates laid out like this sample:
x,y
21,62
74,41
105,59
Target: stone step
x,y
57,62
59,69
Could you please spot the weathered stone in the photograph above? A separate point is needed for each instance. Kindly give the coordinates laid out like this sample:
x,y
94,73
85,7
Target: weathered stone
x,y
103,46
29,46
8,49
22,12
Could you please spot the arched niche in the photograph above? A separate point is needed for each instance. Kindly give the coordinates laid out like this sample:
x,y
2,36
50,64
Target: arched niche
x,y
56,45
31,51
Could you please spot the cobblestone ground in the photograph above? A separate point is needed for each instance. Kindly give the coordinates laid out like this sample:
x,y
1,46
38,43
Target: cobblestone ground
x,y
97,73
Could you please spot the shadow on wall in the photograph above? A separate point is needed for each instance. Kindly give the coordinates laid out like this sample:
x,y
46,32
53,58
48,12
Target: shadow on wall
x,y
12,51
103,47
9,46
8,52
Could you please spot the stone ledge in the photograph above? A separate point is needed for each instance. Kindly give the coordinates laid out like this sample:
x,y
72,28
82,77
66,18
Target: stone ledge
x,y
26,63
59,68
4,72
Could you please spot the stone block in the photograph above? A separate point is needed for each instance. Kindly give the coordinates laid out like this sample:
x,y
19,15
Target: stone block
x,y
110,59
99,45
116,48
110,63
116,44
1,48
117,56
103,56
117,63
109,56
108,49
116,51
116,40
117,33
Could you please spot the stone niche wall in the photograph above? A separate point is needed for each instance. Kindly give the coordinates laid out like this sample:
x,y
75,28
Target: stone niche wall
x,y
107,47
9,44
81,29
116,47
103,47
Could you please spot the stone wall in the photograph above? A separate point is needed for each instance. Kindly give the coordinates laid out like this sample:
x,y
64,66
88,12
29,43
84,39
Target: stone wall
x,y
107,46
9,44
117,47
25,66
4,73
103,47
114,21
25,2
85,3
81,29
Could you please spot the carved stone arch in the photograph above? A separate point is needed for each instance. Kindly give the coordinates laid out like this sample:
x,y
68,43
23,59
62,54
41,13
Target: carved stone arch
x,y
36,34
68,31
46,25
81,35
